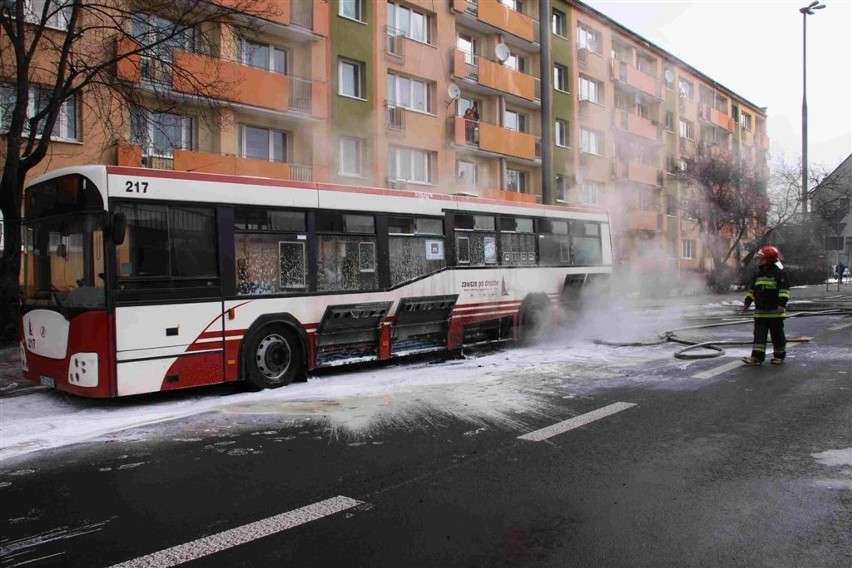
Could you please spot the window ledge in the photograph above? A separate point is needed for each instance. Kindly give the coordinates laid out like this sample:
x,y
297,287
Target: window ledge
x,y
353,97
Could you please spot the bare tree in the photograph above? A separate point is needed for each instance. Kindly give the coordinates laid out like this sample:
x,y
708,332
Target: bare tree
x,y
58,57
728,201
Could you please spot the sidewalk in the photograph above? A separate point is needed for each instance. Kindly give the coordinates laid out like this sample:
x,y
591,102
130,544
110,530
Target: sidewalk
x,y
12,382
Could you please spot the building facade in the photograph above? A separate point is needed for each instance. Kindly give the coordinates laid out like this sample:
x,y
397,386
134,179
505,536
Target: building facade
x,y
442,96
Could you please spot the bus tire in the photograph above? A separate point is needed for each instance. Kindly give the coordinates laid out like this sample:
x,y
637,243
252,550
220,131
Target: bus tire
x,y
535,319
272,357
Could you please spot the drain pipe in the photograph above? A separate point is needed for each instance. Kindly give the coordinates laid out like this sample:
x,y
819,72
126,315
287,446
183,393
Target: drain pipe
x,y
546,73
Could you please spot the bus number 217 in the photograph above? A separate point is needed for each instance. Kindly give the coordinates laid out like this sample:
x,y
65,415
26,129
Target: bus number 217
x,y
136,186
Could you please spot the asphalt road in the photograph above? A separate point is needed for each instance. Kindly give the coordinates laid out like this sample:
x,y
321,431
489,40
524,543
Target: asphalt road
x,y
663,464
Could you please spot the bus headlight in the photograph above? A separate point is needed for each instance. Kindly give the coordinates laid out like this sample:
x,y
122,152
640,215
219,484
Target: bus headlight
x,y
83,370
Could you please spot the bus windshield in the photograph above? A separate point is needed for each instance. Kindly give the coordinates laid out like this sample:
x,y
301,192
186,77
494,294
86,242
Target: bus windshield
x,y
63,262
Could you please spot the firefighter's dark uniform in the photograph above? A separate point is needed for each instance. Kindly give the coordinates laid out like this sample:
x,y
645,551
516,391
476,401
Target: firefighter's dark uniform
x,y
768,290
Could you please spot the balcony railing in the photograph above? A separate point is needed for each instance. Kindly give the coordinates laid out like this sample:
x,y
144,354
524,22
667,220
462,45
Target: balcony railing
x,y
302,14
300,93
395,117
395,43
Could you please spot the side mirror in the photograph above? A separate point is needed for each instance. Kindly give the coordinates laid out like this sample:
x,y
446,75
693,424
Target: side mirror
x,y
119,226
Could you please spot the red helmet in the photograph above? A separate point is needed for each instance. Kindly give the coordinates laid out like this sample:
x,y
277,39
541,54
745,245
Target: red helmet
x,y
770,254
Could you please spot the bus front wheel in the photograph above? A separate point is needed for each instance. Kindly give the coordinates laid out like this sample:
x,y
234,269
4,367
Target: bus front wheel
x,y
535,319
273,357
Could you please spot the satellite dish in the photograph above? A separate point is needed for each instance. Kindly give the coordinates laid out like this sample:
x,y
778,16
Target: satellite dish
x,y
669,76
453,90
502,52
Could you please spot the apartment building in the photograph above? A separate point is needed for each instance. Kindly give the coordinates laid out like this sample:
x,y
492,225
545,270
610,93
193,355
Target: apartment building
x,y
375,92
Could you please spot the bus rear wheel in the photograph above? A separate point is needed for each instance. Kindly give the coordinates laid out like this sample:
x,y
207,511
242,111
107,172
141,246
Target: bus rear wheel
x,y
535,319
273,357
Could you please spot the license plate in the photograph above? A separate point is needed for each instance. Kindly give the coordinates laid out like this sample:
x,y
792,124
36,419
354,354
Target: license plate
x,y
47,381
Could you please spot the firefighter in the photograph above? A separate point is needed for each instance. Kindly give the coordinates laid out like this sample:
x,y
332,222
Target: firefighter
x,y
769,291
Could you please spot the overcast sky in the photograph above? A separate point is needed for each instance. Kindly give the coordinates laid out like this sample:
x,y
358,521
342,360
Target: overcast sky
x,y
754,48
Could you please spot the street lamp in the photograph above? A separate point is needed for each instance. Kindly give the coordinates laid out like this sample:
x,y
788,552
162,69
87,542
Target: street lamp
x,y
806,11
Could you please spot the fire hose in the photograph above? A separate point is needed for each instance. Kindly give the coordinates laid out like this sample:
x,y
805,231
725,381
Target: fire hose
x,y
714,346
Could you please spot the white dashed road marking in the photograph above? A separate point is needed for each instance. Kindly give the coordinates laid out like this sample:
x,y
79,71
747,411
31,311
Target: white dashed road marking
x,y
718,370
839,326
241,535
576,422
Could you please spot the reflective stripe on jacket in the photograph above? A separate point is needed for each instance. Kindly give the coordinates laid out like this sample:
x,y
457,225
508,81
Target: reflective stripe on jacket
x,y
768,289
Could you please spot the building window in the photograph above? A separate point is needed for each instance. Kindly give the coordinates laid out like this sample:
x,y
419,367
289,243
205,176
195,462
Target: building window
x,y
687,130
351,157
516,62
469,46
588,38
263,56
669,121
591,142
352,9
410,165
162,35
589,191
562,188
590,90
408,22
561,133
517,180
515,121
350,79
745,121
58,13
559,23
686,90
516,5
466,173
160,133
560,78
688,249
67,123
263,144
410,93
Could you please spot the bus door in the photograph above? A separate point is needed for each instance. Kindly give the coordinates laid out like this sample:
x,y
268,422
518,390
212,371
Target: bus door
x,y
168,318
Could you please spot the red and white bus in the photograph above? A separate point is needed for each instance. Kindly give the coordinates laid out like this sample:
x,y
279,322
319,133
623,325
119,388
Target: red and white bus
x,y
139,280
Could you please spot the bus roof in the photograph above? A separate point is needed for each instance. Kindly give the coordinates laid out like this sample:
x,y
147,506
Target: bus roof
x,y
184,186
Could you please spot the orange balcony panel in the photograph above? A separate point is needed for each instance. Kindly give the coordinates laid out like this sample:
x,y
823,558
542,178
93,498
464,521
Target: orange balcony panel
x,y
458,63
514,196
321,18
502,78
642,127
641,173
458,131
762,140
508,142
458,6
128,155
503,17
319,100
721,119
128,68
642,81
642,220
231,81
188,161
273,10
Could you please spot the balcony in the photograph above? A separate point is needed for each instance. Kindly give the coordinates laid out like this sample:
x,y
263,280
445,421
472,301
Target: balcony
x,y
496,77
296,20
204,76
715,117
636,125
494,139
761,140
504,195
636,79
192,161
638,220
497,17
394,117
638,173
